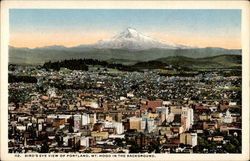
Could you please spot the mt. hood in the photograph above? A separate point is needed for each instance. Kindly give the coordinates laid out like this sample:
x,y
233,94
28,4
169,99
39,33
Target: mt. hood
x,y
134,40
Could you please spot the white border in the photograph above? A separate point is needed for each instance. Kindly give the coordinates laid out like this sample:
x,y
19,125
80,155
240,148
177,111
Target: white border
x,y
243,5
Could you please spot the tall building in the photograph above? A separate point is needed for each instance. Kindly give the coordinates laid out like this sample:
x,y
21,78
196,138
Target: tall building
x,y
85,119
189,139
163,113
135,123
147,124
92,118
117,125
77,122
150,125
187,117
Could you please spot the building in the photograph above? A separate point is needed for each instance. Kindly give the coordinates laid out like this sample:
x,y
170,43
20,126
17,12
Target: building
x,y
91,103
77,122
189,139
210,125
51,92
147,124
135,123
150,125
176,109
100,135
84,141
85,119
117,125
163,113
228,118
152,105
187,117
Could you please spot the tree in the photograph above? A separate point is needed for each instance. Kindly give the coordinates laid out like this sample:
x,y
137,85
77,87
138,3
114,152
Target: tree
x,y
45,147
18,96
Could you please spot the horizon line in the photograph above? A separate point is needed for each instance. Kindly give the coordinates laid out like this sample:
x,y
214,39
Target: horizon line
x,y
68,47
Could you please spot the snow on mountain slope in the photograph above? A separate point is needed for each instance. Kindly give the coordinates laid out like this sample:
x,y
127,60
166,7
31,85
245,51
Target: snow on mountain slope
x,y
132,39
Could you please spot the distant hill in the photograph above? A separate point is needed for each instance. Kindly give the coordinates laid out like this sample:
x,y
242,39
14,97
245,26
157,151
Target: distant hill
x,y
42,55
222,61
129,45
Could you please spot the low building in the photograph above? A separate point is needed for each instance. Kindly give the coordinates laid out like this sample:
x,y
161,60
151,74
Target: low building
x,y
100,135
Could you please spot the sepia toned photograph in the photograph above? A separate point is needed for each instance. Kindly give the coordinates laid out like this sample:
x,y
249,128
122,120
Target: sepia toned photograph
x,y
124,82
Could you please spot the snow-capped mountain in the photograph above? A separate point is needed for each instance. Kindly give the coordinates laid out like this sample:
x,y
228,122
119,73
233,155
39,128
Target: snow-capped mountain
x,y
129,39
132,39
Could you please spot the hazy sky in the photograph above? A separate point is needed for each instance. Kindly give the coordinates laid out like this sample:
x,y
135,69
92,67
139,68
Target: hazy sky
x,y
70,27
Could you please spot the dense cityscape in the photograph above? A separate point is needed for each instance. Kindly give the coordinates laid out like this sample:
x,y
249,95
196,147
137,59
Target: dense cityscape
x,y
106,110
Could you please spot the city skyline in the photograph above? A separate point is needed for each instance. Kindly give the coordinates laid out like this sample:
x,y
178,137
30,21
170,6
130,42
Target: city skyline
x,y
201,28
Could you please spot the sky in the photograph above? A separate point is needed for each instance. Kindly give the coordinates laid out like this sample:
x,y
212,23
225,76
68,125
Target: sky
x,y
71,27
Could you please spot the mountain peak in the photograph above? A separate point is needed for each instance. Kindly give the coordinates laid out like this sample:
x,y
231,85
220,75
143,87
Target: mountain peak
x,y
130,38
128,33
132,31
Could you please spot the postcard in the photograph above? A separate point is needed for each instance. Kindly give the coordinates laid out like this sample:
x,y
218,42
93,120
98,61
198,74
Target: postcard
x,y
124,80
